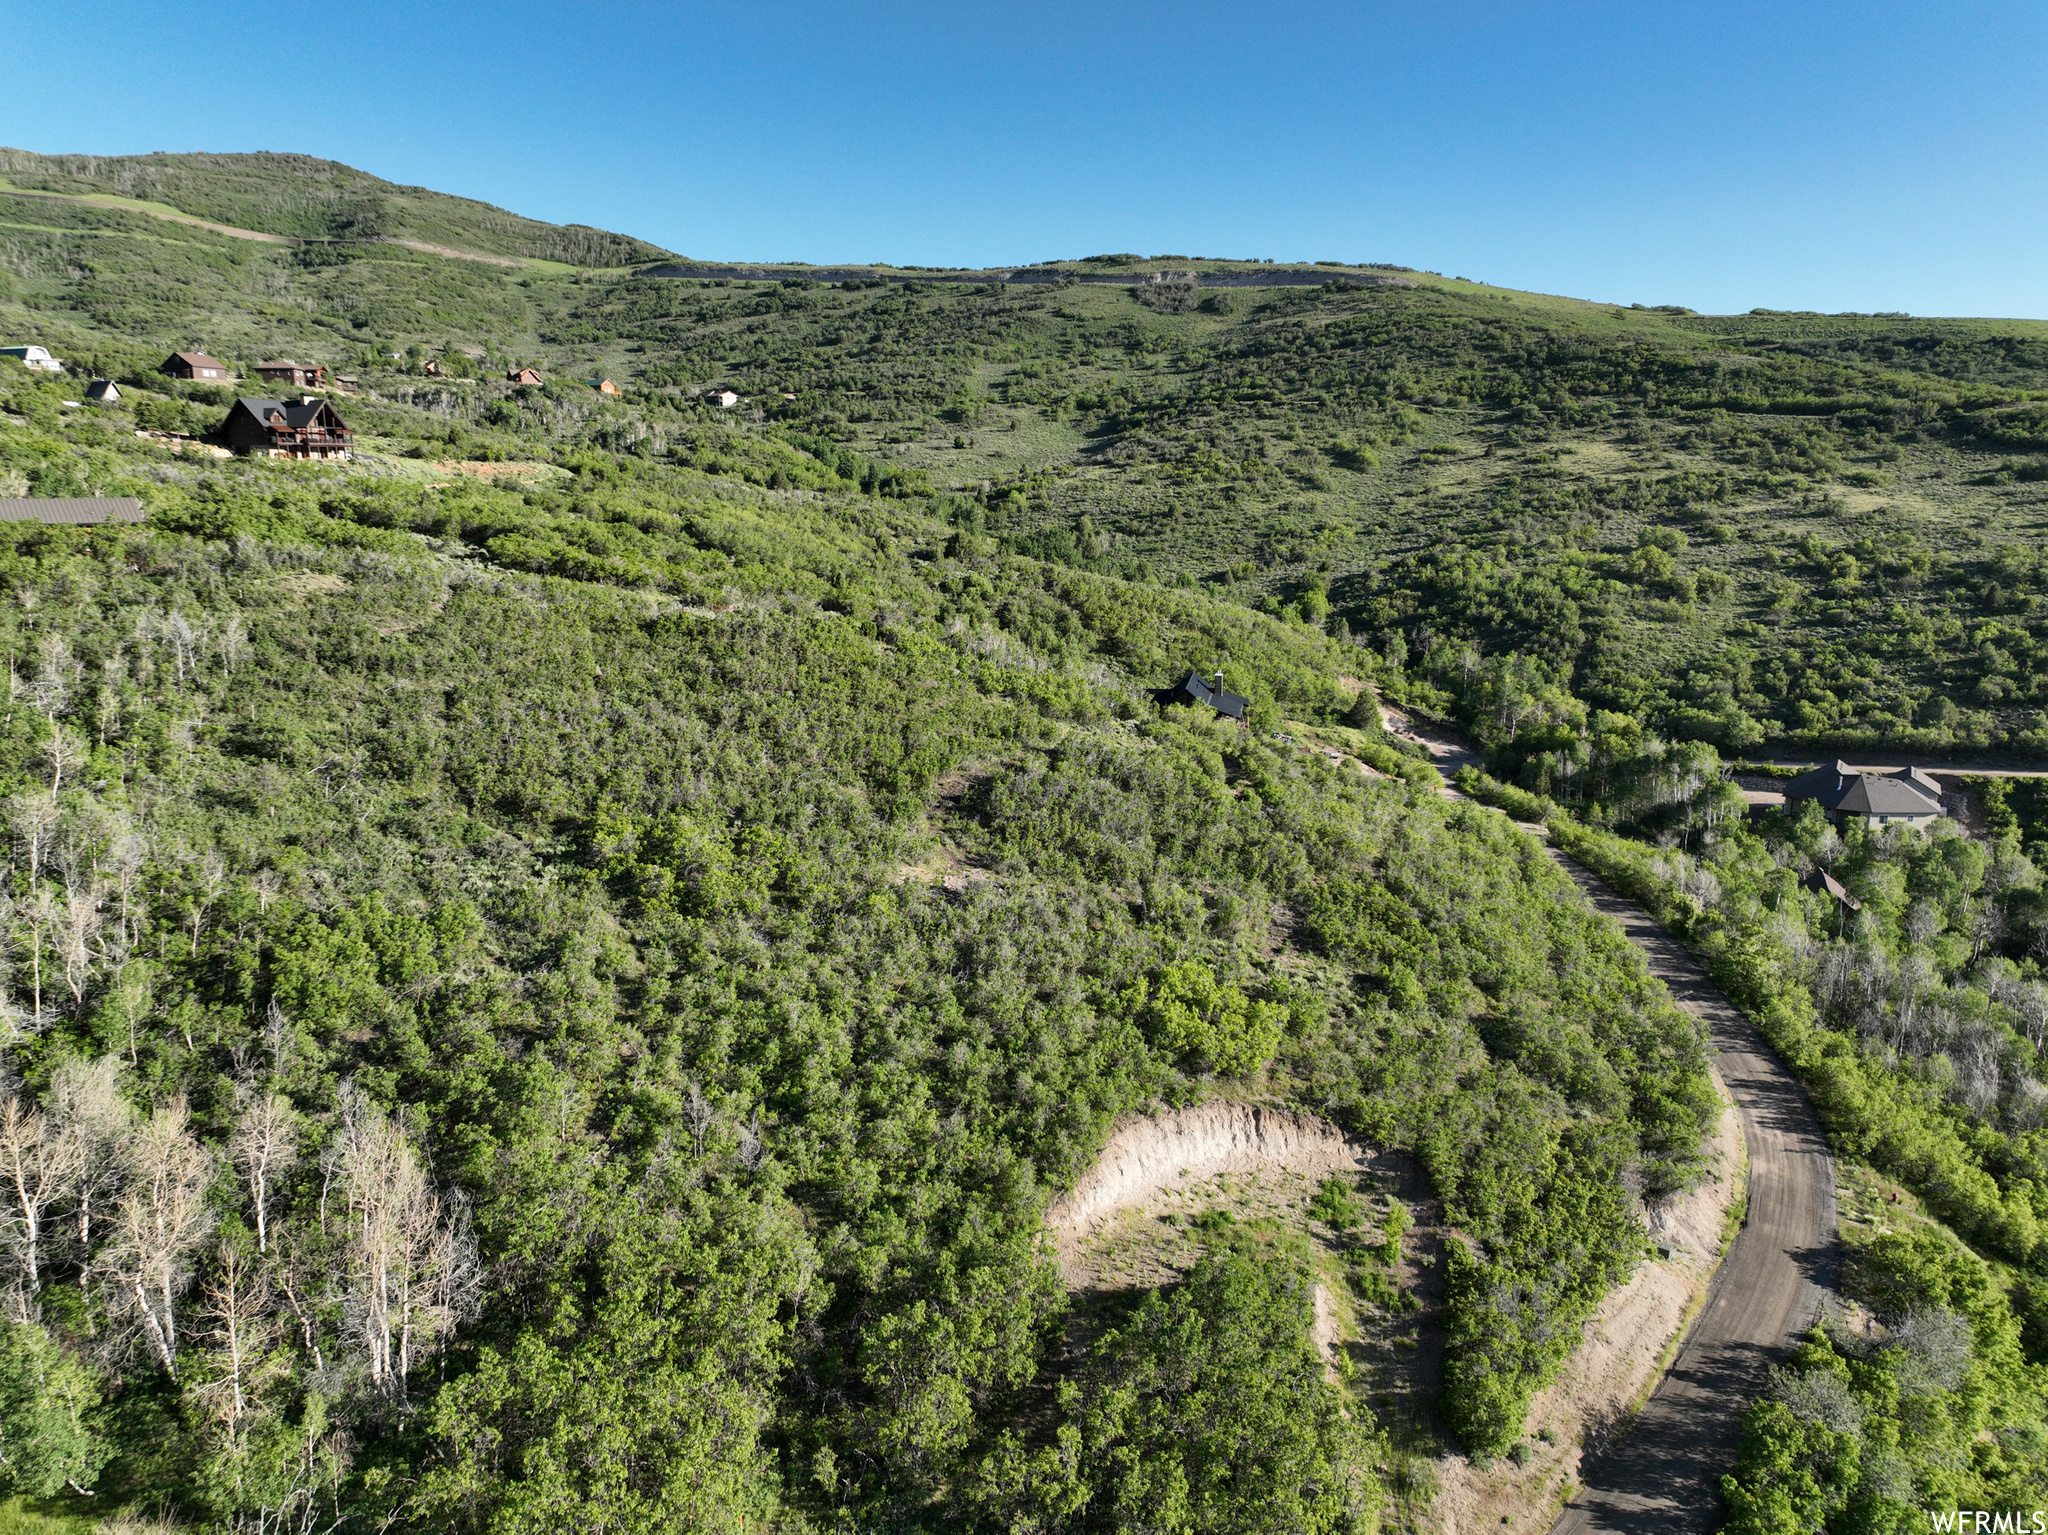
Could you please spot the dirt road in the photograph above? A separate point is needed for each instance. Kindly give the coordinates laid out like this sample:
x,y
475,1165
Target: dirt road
x,y
1665,1474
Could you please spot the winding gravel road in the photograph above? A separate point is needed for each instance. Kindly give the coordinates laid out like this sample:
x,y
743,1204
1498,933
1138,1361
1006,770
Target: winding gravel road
x,y
1664,1476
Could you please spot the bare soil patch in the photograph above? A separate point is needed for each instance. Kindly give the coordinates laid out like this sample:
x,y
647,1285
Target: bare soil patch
x,y
1258,1159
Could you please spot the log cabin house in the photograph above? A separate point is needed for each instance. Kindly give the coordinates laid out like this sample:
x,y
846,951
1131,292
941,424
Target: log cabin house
x,y
302,428
522,376
194,365
605,386
298,375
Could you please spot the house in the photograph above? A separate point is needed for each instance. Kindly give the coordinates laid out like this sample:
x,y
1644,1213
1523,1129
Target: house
x,y
103,391
1823,883
605,386
431,367
303,428
194,365
76,511
35,357
1897,797
522,376
724,399
299,375
1196,691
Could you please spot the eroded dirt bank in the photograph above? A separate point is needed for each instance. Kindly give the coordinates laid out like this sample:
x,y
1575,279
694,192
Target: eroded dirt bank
x,y
1155,1159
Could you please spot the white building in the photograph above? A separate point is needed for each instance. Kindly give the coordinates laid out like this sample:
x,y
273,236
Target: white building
x,y
33,357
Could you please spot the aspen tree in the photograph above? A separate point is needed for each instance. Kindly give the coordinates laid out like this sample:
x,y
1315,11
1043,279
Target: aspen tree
x,y
39,1169
239,1332
412,1269
95,1118
264,1147
160,1222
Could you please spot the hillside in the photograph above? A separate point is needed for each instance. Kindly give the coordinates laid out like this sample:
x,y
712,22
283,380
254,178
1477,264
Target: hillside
x,y
560,965
319,200
1770,528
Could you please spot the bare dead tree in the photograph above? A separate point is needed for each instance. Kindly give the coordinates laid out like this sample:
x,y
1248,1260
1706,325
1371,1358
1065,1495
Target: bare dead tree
x,y
238,1332
35,818
124,862
213,879
40,913
412,1270
698,1115
65,752
78,923
263,1149
38,1169
298,1278
184,640
159,1224
96,1119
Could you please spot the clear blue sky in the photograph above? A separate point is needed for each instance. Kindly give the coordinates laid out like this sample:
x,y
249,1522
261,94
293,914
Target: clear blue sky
x,y
1724,156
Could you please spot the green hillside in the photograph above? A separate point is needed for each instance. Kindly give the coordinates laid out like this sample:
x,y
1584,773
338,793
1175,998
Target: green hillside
x,y
313,199
561,963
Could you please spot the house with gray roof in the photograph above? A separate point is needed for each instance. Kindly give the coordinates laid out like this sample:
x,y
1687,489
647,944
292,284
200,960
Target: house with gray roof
x,y
1195,691
1882,797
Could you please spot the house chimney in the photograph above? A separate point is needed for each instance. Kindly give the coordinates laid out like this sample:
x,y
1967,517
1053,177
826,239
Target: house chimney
x,y
1218,684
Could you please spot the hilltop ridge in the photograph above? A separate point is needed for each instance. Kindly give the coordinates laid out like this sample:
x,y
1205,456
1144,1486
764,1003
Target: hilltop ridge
x,y
307,198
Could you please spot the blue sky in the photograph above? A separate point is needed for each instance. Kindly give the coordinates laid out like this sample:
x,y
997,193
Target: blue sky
x,y
1876,156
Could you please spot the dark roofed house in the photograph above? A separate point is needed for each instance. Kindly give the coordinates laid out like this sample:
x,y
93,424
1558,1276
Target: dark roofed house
x,y
304,428
1196,691
1823,883
194,365
103,391
1897,797
74,511
299,375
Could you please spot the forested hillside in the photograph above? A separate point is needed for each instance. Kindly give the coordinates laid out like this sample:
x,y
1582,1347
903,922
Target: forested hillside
x,y
495,1046
554,969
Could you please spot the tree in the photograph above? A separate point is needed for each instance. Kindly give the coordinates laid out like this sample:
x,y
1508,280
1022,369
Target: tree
x,y
46,1396
95,1119
412,1271
39,1169
158,1225
263,1149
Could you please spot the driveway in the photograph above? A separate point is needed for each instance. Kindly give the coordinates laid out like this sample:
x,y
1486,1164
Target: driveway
x,y
1664,1475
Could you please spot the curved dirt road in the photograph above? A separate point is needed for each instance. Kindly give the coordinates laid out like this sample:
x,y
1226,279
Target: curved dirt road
x,y
1664,1476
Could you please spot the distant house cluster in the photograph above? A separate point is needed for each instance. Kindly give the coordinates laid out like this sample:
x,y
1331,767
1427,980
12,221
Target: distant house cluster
x,y
1896,797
